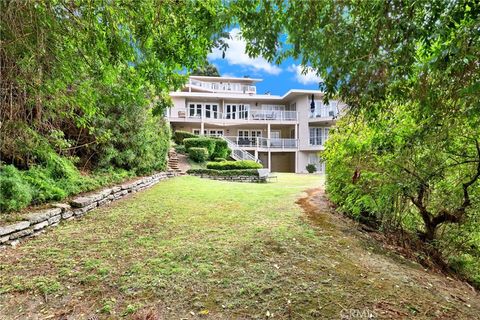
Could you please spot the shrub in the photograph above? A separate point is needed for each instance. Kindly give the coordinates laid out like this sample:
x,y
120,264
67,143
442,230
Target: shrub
x,y
234,165
198,154
14,192
225,173
219,159
207,143
179,136
180,148
311,168
221,149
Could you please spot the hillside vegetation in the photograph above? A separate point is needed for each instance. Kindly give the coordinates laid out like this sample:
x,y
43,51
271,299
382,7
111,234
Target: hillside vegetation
x,y
84,87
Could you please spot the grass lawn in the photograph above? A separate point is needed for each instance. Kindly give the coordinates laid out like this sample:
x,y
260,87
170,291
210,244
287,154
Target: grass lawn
x,y
191,247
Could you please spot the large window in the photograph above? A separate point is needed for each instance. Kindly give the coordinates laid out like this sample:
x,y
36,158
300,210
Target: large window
x,y
318,135
195,110
315,159
211,111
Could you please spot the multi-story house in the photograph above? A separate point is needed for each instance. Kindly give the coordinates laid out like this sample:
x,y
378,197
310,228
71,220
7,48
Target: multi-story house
x,y
284,133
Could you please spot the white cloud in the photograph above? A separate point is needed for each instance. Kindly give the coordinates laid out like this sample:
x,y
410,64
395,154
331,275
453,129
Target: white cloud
x,y
235,55
307,77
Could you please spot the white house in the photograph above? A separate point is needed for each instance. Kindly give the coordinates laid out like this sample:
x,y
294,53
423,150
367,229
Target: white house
x,y
284,132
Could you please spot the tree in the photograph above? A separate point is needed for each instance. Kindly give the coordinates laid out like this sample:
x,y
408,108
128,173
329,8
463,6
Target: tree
x,y
207,69
87,83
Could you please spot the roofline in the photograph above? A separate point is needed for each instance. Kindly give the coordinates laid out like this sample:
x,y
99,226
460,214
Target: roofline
x,y
225,95
290,93
227,78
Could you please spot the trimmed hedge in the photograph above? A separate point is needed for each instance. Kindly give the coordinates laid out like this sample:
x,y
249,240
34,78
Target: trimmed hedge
x,y
221,149
207,143
179,136
234,165
198,154
180,148
224,173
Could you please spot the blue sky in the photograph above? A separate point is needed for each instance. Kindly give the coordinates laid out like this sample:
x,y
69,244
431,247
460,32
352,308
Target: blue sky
x,y
276,79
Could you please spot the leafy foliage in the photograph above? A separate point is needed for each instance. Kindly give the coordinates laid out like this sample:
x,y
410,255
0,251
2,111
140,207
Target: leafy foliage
x,y
225,173
221,149
407,156
202,142
311,168
179,135
85,86
198,154
234,165
207,69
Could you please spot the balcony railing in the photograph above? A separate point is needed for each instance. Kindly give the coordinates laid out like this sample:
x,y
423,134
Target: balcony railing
x,y
241,115
325,111
224,87
259,142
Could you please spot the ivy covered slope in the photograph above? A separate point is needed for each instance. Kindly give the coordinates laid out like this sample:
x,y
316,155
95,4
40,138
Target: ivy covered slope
x,y
407,157
84,86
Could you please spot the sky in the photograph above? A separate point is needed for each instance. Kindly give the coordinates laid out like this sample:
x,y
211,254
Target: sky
x,y
276,79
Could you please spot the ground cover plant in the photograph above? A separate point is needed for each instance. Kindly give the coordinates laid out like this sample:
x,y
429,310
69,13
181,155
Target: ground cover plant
x,y
217,253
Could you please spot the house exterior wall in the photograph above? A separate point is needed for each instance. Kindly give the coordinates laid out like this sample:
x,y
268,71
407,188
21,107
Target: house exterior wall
x,y
290,115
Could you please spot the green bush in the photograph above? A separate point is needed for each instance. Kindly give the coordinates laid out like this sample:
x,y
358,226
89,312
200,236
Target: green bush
x,y
219,159
198,154
15,193
179,136
311,168
234,165
221,149
180,148
225,173
207,143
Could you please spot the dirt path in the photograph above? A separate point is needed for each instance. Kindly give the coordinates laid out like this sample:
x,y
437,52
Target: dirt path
x,y
430,295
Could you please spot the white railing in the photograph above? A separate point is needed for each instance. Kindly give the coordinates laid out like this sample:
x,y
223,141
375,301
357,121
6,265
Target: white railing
x,y
325,111
241,115
238,153
259,142
224,87
273,115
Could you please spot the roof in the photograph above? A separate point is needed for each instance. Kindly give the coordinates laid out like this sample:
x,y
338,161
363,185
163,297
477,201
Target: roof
x,y
219,79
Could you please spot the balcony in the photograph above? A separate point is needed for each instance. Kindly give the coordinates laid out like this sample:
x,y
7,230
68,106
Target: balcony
x,y
247,115
223,87
325,111
265,143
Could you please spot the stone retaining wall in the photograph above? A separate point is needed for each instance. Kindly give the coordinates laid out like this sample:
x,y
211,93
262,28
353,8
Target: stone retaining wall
x,y
230,178
36,222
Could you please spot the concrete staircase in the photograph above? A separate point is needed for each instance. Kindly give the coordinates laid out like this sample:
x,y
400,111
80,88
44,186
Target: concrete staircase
x,y
173,161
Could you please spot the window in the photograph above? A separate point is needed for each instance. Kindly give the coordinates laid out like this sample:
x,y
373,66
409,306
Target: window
x,y
211,111
231,111
315,159
243,111
197,132
216,133
316,136
195,110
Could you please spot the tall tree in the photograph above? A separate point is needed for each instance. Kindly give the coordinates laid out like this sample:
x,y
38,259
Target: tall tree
x,y
208,69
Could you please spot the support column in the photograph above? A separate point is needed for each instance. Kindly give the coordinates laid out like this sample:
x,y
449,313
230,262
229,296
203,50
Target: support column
x,y
269,159
296,162
268,140
202,128
256,153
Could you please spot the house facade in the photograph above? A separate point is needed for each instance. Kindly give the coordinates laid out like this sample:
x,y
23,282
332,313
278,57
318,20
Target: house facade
x,y
284,133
